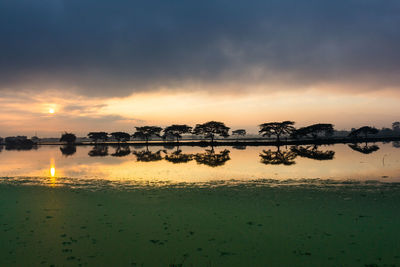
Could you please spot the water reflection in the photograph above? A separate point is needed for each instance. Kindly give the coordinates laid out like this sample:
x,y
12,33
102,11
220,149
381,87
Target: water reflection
x,y
147,155
21,146
239,147
121,151
68,150
312,152
197,164
99,151
212,159
52,172
278,157
178,157
136,146
168,146
365,149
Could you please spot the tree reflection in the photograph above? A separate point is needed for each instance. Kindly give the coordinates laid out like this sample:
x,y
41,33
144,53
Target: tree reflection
x,y
147,156
121,151
168,146
68,150
239,147
136,146
99,151
312,152
212,159
178,157
278,157
365,149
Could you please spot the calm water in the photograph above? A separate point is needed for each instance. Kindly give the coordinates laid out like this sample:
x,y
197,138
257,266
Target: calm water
x,y
259,206
53,164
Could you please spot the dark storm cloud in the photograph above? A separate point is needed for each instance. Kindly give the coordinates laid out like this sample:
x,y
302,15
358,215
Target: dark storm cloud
x,y
106,48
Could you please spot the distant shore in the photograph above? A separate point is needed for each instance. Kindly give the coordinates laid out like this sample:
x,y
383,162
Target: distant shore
x,y
239,142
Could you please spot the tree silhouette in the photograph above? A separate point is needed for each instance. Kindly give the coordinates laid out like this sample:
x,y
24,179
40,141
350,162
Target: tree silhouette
x,y
99,151
96,136
312,152
212,159
147,156
166,136
366,149
121,151
68,150
278,157
276,128
396,126
19,143
178,157
314,130
121,136
211,129
145,132
177,131
239,132
69,138
365,130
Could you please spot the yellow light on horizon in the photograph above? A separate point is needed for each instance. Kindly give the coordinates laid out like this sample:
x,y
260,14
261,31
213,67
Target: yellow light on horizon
x,y
51,110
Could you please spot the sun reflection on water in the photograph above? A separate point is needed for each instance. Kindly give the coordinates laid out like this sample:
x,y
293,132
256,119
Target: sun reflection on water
x,y
52,172
197,164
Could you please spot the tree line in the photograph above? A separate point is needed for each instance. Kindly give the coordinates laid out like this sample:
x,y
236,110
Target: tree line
x,y
212,129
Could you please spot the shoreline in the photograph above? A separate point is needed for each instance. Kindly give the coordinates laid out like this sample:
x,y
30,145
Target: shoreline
x,y
120,185
241,142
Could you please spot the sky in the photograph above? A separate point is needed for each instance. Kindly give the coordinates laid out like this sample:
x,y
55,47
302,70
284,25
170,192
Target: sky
x,y
112,65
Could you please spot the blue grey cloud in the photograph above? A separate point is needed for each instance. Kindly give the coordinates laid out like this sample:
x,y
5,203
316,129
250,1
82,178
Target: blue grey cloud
x,y
105,48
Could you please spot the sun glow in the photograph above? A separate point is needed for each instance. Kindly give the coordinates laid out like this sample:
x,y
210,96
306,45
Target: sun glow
x,y
51,110
52,172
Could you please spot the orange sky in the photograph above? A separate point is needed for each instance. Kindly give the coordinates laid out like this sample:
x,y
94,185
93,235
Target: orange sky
x,y
112,65
29,114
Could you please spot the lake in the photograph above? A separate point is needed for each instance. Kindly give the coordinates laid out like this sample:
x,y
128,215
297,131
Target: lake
x,y
48,164
335,205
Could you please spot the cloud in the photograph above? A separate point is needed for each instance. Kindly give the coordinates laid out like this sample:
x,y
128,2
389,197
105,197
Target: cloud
x,y
82,108
101,48
24,113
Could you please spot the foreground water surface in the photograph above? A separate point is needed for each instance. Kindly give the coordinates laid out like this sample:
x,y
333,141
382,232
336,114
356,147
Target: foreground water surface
x,y
259,206
196,164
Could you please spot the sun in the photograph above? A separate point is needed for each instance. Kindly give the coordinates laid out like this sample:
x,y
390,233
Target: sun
x,y
51,110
